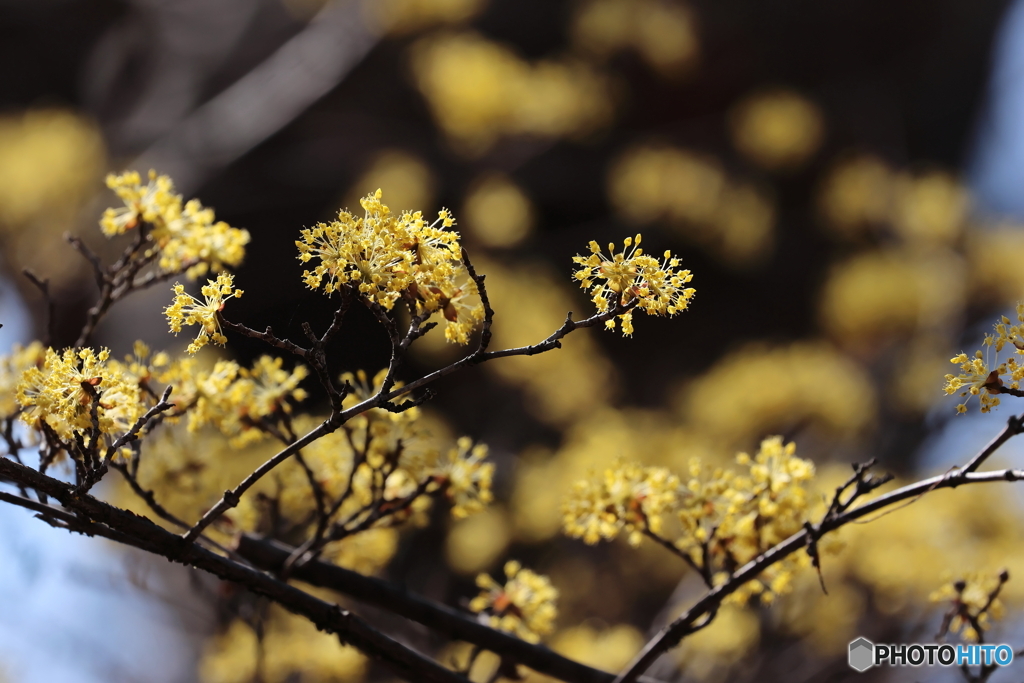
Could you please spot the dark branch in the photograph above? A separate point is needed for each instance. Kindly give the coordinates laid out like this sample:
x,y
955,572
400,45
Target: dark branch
x,y
102,519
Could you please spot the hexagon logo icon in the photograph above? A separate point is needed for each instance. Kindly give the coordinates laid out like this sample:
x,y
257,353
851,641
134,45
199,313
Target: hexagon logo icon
x,y
862,654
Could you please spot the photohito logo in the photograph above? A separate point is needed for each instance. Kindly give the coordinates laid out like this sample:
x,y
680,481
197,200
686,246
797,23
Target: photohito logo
x,y
864,654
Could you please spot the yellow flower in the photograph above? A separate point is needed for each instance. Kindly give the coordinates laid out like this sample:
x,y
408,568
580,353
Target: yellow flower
x,y
372,253
627,497
524,605
12,367
187,237
725,519
194,237
152,202
238,400
466,478
56,393
385,258
632,276
188,310
978,377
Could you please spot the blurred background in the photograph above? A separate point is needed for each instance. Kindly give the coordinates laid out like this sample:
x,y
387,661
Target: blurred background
x,y
844,179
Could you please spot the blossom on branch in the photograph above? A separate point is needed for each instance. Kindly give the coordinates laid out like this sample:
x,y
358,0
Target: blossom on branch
x,y
63,390
185,235
385,258
188,310
523,605
632,277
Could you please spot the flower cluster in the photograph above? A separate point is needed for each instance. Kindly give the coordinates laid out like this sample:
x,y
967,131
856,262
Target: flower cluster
x,y
627,497
188,310
731,518
243,403
465,478
72,387
974,603
387,258
186,235
720,519
12,367
523,605
978,377
631,277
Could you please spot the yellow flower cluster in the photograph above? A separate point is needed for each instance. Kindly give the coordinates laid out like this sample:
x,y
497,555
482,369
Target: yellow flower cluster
x,y
12,367
632,276
240,402
628,497
188,310
386,258
731,518
975,603
978,377
523,605
56,393
465,478
721,521
186,234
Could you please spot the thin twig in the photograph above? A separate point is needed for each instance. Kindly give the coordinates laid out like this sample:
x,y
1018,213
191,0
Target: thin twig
x,y
381,400
44,287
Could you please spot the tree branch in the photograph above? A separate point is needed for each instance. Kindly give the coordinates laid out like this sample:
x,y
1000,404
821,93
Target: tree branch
x,y
272,556
99,518
383,399
671,635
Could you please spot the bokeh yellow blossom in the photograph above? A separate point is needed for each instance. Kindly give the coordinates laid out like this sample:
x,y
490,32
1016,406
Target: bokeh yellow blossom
x,y
524,604
291,648
663,33
480,91
804,382
975,603
497,212
608,649
777,129
878,295
731,219
12,366
405,16
408,179
625,497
